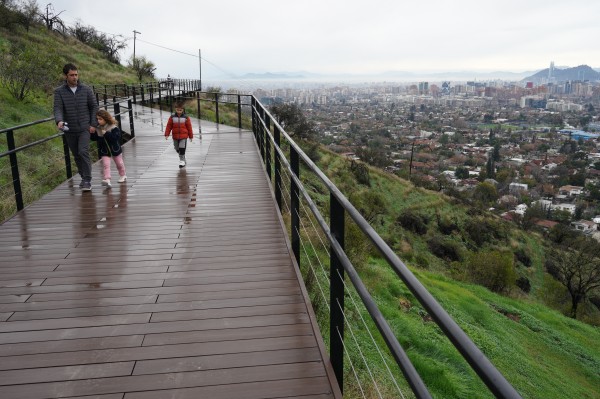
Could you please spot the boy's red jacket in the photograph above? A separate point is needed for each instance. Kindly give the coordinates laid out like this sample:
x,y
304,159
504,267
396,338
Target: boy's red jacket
x,y
180,126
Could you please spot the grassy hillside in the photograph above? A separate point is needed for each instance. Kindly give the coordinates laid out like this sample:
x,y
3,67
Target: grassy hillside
x,y
42,168
542,352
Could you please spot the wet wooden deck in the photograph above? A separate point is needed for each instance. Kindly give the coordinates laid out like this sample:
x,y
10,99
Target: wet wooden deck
x,y
176,284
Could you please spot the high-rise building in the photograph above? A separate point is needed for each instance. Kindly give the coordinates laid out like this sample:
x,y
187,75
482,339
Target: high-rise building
x,y
551,71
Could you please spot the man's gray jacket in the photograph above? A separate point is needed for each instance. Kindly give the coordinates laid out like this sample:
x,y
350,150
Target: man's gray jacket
x,y
77,109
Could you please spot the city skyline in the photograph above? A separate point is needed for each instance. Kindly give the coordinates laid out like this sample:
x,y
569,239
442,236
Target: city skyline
x,y
347,37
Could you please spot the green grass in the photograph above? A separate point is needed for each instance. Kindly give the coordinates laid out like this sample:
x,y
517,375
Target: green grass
x,y
540,351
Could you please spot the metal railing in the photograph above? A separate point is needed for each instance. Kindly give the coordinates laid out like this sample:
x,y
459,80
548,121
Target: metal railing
x,y
165,93
13,151
269,135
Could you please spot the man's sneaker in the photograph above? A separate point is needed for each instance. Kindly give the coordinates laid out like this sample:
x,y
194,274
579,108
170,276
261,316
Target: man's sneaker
x,y
122,179
81,183
86,186
106,183
181,163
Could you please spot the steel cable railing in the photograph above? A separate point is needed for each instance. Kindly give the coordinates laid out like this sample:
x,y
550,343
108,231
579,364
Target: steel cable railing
x,y
268,140
320,274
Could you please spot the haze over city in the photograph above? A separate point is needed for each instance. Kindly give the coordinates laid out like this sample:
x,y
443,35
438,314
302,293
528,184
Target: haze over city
x,y
347,37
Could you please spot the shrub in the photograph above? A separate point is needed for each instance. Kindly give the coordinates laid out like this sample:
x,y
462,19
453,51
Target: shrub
x,y
446,225
522,256
524,284
413,222
445,248
493,269
484,230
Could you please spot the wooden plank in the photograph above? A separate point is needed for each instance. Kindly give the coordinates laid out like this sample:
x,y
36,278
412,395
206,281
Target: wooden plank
x,y
177,283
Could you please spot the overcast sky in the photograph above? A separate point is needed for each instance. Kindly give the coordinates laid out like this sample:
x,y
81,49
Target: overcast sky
x,y
347,36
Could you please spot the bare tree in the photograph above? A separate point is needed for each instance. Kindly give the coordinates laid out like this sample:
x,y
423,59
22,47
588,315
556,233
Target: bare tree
x,y
577,268
52,20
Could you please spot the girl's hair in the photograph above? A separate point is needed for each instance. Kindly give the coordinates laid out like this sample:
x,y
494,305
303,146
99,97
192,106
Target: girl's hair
x,y
104,114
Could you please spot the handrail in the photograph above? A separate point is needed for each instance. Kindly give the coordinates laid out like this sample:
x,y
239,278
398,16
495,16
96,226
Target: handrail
x,y
13,150
26,125
121,105
483,367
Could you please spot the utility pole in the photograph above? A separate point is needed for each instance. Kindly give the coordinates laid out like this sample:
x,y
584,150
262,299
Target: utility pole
x,y
134,33
200,66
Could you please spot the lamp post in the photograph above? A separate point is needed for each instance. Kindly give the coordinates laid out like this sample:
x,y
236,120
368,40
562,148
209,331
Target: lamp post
x,y
200,67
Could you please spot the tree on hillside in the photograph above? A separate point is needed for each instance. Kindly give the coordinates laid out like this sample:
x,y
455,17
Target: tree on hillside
x,y
142,67
26,69
8,13
293,121
577,268
29,13
109,45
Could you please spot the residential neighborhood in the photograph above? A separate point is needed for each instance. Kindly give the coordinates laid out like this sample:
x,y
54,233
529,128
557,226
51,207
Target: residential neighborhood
x,y
521,150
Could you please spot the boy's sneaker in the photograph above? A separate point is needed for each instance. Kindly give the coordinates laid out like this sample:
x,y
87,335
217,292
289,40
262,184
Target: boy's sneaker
x,y
106,183
81,183
86,186
122,179
181,163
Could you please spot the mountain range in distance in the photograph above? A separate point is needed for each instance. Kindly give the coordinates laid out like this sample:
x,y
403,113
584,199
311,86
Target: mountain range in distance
x,y
562,73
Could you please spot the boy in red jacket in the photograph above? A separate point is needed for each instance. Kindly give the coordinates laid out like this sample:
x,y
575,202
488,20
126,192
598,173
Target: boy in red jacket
x,y
181,126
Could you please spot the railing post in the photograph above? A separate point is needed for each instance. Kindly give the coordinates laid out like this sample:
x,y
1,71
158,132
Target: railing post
x,y
277,134
67,157
117,114
239,111
254,118
217,107
133,92
142,93
336,292
261,141
131,128
295,204
198,103
268,146
14,167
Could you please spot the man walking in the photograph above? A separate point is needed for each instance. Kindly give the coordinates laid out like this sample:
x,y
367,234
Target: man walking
x,y
75,110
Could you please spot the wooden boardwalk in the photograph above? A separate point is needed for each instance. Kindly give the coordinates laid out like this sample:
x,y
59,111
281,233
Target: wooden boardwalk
x,y
176,284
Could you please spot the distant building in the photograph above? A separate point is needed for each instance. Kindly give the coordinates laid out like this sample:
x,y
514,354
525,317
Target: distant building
x,y
584,226
515,188
570,191
578,134
564,207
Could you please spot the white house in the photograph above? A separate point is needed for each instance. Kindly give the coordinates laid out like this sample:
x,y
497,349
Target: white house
x,y
564,207
571,191
520,209
584,226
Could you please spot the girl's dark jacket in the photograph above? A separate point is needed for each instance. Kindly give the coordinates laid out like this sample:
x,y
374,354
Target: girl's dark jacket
x,y
109,141
77,109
